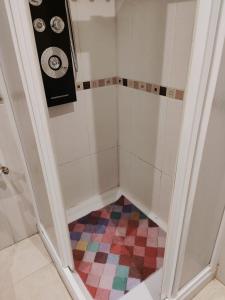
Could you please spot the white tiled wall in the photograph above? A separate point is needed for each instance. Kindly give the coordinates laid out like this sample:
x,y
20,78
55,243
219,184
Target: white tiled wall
x,y
85,140
85,133
140,29
95,28
145,40
154,45
102,118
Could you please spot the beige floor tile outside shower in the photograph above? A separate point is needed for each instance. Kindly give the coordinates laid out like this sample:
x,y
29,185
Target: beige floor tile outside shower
x,y
27,272
213,291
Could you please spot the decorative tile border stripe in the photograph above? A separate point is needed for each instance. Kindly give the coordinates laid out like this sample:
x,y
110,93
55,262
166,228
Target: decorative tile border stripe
x,y
86,85
139,85
152,88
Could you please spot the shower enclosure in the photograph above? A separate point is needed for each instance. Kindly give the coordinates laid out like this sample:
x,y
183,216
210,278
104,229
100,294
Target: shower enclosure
x,y
127,166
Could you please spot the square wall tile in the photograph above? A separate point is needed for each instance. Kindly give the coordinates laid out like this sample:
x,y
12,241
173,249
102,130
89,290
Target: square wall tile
x,y
145,182
132,20
77,182
125,130
183,34
162,207
91,20
105,170
102,118
148,118
125,164
124,37
173,125
69,131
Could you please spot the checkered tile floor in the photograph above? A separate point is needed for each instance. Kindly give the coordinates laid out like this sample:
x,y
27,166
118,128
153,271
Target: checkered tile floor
x,y
116,248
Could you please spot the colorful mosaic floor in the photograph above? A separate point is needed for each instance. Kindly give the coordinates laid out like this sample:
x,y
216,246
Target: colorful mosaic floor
x,y
116,248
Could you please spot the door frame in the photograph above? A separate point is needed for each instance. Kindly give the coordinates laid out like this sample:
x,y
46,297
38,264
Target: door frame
x,y
22,34
199,94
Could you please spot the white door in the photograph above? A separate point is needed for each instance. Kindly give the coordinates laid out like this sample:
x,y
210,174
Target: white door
x,y
17,220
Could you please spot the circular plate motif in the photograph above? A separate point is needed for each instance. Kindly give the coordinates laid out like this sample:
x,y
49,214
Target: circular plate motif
x,y
54,62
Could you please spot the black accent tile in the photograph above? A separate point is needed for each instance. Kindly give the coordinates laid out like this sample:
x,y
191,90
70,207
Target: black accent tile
x,y
162,91
120,81
124,82
86,85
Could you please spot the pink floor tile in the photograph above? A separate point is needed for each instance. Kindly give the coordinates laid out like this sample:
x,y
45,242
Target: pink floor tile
x,y
109,270
106,281
97,268
139,251
93,280
89,256
115,249
85,267
102,294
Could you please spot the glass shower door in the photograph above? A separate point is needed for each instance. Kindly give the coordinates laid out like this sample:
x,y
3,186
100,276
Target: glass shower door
x,y
17,219
209,202
15,103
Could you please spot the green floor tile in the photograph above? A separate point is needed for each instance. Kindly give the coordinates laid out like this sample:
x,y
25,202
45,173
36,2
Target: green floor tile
x,y
122,271
115,215
119,283
93,247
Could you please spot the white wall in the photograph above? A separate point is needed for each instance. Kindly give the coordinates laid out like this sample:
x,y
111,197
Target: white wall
x,y
17,219
85,132
154,44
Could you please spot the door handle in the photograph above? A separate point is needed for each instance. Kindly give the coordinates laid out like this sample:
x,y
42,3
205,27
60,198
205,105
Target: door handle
x,y
4,170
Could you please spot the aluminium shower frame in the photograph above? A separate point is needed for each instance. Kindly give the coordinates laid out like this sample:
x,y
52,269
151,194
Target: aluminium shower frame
x,y
195,120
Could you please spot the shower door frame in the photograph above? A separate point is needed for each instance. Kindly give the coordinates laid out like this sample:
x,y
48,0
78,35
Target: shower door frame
x,y
205,28
193,135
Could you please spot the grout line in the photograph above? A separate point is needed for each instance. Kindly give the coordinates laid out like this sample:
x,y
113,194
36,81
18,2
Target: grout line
x,y
33,272
122,148
88,155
